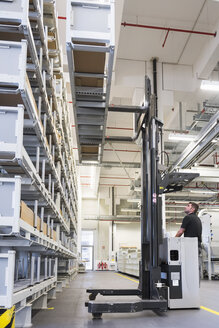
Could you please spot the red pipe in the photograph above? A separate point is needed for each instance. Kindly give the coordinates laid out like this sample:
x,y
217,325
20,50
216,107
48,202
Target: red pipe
x,y
124,150
175,203
165,38
216,158
168,29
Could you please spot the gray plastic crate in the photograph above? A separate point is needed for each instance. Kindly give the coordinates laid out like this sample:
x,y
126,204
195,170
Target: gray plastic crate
x,y
13,57
7,264
98,28
15,11
10,195
11,133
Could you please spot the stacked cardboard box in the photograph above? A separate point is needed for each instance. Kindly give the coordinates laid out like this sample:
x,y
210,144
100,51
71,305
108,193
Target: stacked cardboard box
x,y
27,215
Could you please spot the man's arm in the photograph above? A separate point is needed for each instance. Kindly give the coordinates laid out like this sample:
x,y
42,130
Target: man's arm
x,y
180,232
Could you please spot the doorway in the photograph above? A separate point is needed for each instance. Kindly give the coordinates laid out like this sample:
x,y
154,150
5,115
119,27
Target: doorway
x,y
87,248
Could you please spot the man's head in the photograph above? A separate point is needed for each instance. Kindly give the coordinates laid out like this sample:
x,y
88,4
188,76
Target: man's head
x,y
191,208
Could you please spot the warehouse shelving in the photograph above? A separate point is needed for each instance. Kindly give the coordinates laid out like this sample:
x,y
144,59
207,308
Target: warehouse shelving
x,y
37,170
90,52
128,260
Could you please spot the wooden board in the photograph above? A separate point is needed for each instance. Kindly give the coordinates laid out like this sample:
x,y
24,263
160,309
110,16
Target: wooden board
x,y
89,150
45,228
89,62
26,214
54,237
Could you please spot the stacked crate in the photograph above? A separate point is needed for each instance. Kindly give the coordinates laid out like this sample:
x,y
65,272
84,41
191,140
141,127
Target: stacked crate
x,y
38,189
128,259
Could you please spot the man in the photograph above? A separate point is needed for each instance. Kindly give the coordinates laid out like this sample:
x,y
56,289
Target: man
x,y
192,227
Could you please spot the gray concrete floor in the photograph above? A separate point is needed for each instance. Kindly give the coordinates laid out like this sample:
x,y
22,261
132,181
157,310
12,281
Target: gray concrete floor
x,y
69,310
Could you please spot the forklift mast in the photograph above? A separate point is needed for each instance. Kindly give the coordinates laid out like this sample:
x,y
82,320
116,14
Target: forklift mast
x,y
151,290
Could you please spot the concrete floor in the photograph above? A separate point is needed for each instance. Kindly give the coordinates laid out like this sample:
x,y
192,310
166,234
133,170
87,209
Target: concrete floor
x,y
69,310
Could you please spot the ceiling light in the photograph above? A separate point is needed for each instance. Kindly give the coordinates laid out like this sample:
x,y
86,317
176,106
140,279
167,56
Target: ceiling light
x,y
204,191
174,211
210,85
127,217
130,210
181,137
216,139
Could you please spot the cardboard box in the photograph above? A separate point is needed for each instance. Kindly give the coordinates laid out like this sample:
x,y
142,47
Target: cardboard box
x,y
26,214
54,237
38,223
45,228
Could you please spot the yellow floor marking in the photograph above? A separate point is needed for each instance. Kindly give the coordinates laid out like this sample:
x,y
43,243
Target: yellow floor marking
x,y
209,310
52,308
127,277
201,307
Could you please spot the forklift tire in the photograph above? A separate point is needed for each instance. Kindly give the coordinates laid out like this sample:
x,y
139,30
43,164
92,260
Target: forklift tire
x,y
97,315
92,297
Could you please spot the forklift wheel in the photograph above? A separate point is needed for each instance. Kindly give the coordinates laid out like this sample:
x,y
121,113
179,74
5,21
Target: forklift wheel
x,y
92,297
162,310
97,315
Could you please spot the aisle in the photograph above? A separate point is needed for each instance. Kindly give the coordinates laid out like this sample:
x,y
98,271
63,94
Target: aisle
x,y
69,310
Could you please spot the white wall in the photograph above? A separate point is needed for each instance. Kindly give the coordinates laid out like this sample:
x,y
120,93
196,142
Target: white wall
x,y
127,234
172,228
93,208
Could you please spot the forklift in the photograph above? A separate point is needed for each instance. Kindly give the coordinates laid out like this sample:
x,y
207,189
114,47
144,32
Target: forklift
x,y
155,284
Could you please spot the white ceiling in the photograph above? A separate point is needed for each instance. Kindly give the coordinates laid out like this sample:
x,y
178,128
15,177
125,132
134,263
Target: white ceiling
x,y
143,44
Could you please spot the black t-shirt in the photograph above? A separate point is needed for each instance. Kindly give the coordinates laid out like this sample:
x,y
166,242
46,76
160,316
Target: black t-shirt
x,y
193,227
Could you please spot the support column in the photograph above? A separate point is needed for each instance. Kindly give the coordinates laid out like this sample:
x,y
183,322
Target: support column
x,y
51,295
23,317
40,303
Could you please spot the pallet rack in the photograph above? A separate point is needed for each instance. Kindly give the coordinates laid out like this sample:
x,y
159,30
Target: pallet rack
x,y
90,47
38,186
128,259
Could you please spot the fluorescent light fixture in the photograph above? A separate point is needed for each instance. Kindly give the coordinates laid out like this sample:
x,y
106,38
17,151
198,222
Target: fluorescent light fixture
x,y
133,200
130,210
181,137
173,205
127,216
209,85
204,191
174,211
174,217
216,139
